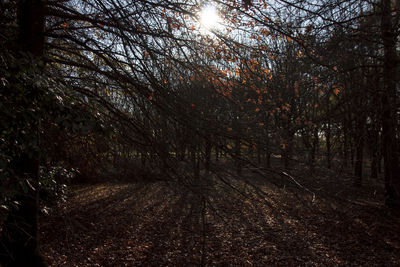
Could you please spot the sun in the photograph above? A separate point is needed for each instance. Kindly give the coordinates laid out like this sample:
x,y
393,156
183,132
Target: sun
x,y
209,17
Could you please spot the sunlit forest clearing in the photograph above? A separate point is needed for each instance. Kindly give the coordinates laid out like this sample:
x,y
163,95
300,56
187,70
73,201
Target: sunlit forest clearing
x,y
199,133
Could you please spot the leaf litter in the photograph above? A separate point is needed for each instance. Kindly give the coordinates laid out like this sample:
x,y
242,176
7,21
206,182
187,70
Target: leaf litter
x,y
225,223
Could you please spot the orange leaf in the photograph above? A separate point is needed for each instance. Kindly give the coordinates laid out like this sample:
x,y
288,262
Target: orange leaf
x,y
296,89
336,91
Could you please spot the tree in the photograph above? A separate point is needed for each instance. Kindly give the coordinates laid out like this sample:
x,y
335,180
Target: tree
x,y
389,100
274,80
355,20
19,235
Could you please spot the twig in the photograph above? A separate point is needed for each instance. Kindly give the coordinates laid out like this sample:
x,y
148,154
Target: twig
x,y
300,185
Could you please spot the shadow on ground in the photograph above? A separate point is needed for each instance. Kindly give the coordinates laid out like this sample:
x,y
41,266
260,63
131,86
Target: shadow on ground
x,y
220,223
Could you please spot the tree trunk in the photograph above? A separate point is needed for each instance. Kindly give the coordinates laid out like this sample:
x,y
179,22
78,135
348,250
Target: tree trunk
x,y
238,156
328,142
287,149
388,102
195,160
268,159
19,240
267,150
143,158
359,162
345,146
207,159
374,154
359,143
314,149
351,153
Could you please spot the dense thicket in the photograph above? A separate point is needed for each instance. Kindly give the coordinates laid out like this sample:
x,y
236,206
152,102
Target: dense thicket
x,y
141,90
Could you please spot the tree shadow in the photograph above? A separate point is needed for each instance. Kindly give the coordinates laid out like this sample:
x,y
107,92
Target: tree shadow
x,y
215,223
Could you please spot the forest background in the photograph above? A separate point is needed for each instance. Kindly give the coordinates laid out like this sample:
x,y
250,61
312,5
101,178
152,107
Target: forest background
x,y
144,91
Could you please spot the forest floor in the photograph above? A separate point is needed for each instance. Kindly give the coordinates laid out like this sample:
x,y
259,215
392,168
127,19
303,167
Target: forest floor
x,y
256,220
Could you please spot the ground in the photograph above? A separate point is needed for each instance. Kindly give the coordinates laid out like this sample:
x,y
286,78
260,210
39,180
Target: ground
x,y
263,218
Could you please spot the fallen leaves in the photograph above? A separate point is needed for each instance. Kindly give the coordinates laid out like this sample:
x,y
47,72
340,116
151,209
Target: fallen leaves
x,y
153,224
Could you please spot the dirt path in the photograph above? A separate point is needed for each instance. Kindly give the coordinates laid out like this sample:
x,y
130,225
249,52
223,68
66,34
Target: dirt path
x,y
120,224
